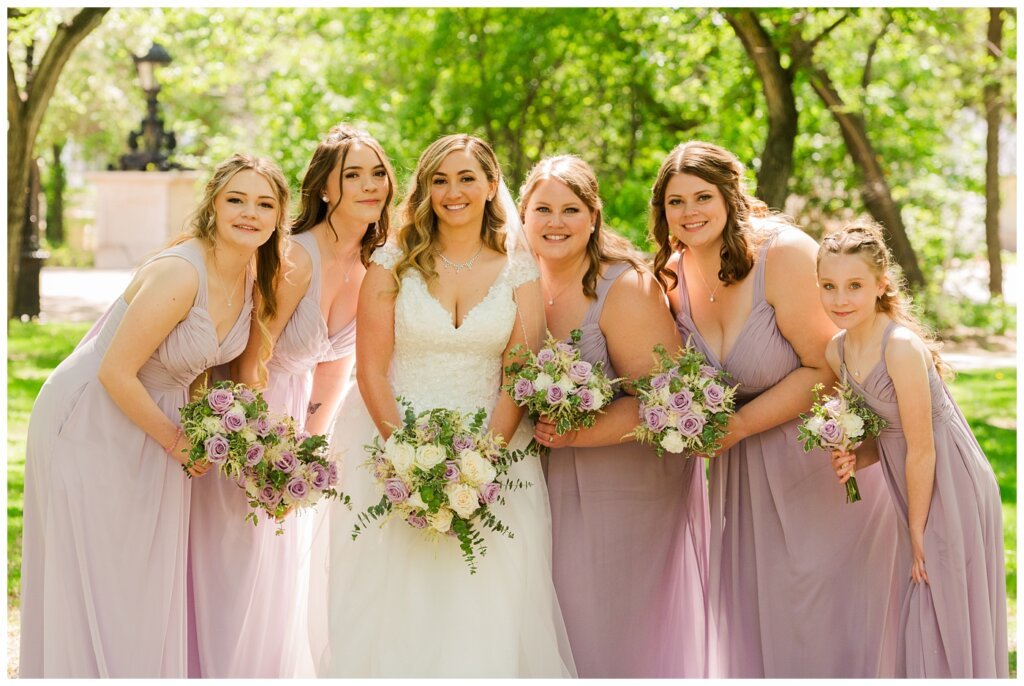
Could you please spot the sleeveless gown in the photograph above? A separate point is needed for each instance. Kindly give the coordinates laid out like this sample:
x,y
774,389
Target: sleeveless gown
x,y
107,511
248,584
800,581
630,546
399,605
955,626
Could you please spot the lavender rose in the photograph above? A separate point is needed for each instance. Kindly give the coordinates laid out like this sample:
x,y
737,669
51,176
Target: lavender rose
x,y
546,355
463,442
580,371
523,389
714,395
297,488
681,401
834,406
217,448
587,399
396,491
287,462
220,400
417,522
332,473
565,348
708,371
246,395
555,394
451,471
489,492
261,425
320,477
268,495
690,425
659,381
233,420
254,454
656,418
301,437
832,432
280,429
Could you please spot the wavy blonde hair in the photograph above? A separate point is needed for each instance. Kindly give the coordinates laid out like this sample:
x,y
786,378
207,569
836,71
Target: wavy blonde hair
x,y
603,245
418,234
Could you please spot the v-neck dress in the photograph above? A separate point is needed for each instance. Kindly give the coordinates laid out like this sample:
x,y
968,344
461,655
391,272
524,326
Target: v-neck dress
x,y
955,625
107,510
630,536
800,581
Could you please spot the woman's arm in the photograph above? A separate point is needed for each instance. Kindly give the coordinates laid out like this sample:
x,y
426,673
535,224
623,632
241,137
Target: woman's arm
x,y
791,288
528,329
329,381
160,297
375,345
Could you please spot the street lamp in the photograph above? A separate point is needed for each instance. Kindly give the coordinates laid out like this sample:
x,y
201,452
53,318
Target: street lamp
x,y
157,143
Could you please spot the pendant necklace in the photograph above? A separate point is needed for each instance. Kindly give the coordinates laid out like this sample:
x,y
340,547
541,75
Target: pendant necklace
x,y
231,295
459,266
711,297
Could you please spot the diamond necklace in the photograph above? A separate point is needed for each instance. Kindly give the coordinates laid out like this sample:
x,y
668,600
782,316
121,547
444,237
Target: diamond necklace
x,y
220,280
459,266
711,297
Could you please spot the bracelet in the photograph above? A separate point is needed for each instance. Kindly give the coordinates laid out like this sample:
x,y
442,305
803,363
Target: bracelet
x,y
177,437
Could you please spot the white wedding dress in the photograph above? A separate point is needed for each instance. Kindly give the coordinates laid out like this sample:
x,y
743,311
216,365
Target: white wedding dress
x,y
398,604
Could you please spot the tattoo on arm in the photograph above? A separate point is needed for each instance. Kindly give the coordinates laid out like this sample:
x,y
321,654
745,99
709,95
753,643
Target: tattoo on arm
x,y
313,407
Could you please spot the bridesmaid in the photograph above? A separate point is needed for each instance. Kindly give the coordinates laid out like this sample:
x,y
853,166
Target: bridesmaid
x,y
106,500
248,584
800,582
950,574
630,530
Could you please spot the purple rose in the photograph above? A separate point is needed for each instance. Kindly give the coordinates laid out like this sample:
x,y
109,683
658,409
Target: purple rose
x,y
714,395
831,432
254,454
834,406
416,522
246,395
580,371
565,348
587,399
523,389
396,491
555,394
659,381
269,495
287,462
332,473
301,437
451,471
217,448
220,399
380,467
708,371
297,488
681,401
233,420
261,425
280,429
320,476
656,418
463,442
489,492
546,355
690,425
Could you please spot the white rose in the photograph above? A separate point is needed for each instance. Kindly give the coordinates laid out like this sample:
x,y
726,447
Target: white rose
x,y
441,520
248,435
462,499
476,469
814,424
852,425
402,456
664,395
599,399
212,425
415,502
542,382
566,383
672,441
237,406
428,456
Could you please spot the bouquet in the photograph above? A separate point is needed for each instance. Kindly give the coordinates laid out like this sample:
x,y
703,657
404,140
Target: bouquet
x,y
840,422
685,405
556,383
440,472
279,467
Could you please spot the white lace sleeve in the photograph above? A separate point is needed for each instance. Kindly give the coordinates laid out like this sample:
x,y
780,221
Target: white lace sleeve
x,y
386,255
521,268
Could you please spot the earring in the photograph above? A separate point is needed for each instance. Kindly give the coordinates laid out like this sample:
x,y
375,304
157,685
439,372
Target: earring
x,y
324,197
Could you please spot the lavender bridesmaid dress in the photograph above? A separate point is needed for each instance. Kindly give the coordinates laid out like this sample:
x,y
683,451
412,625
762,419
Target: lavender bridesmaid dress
x,y
954,626
800,581
249,585
107,511
630,537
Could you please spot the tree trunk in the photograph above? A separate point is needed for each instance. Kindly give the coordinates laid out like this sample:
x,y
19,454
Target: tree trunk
x,y
25,112
993,115
777,83
874,187
55,198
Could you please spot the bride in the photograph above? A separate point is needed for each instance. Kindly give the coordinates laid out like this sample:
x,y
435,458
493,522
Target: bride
x,y
438,314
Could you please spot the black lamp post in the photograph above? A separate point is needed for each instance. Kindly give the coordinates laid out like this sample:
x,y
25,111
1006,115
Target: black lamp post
x,y
157,144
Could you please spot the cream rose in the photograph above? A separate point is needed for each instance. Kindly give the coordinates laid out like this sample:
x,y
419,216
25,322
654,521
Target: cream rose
x,y
212,425
542,381
672,441
462,499
814,424
852,425
476,469
415,501
248,435
441,520
428,456
402,455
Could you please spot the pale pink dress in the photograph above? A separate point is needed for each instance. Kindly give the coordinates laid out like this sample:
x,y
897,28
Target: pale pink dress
x,y
800,581
955,625
630,537
107,511
249,585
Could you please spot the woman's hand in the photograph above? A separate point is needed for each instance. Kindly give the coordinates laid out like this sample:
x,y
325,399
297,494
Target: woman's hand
x,y
917,572
180,454
844,465
546,434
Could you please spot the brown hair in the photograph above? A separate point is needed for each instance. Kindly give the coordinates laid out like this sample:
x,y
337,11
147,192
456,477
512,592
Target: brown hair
x,y
331,152
203,225
867,240
603,246
715,165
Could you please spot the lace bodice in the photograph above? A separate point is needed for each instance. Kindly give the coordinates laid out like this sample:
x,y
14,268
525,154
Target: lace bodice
x,y
438,365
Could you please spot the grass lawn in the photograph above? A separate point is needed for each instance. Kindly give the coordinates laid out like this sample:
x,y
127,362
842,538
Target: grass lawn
x,y
988,398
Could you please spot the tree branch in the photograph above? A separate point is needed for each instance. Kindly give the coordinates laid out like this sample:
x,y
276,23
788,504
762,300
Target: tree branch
x,y
14,102
866,78
802,49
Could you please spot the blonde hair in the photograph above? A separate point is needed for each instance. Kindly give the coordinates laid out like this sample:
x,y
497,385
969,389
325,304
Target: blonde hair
x,y
418,233
867,240
603,246
330,153
203,225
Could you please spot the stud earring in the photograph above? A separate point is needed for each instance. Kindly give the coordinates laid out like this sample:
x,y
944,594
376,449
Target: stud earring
x,y
324,197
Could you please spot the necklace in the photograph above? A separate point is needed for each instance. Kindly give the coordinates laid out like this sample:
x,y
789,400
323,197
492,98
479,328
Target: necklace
x,y
351,265
231,295
711,297
459,266
551,298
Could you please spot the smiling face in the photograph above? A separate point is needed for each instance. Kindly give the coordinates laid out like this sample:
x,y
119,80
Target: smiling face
x,y
246,210
363,184
848,289
695,211
459,190
558,223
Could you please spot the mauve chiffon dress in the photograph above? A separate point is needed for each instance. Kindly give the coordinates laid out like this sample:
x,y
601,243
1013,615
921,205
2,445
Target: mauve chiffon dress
x,y
630,538
249,585
955,625
801,583
107,511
